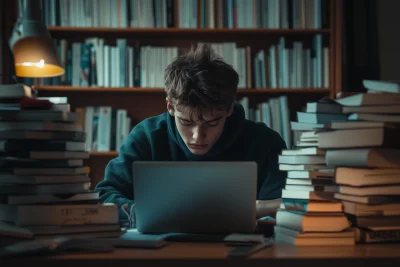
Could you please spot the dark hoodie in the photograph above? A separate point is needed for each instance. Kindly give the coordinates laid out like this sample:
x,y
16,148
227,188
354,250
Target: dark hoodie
x,y
158,139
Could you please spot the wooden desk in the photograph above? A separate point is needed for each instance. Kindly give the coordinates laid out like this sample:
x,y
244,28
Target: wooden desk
x,y
213,254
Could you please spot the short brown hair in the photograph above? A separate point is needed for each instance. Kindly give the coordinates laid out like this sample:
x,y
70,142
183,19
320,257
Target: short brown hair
x,y
201,79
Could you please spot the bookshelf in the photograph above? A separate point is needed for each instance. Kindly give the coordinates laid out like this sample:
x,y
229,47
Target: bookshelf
x,y
143,102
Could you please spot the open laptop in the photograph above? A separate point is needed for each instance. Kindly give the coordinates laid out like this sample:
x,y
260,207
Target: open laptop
x,y
195,197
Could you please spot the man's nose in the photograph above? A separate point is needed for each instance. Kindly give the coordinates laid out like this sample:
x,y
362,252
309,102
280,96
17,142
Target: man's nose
x,y
198,133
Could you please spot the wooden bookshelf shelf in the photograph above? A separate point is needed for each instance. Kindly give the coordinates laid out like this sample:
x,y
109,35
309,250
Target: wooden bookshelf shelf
x,y
161,90
100,89
179,32
105,153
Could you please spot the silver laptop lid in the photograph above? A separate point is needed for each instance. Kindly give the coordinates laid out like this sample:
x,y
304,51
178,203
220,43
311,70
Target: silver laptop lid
x,y
195,197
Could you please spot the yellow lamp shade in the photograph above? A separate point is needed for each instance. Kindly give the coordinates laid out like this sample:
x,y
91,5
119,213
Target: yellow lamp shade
x,y
35,56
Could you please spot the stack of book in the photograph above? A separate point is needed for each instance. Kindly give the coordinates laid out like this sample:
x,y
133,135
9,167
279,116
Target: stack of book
x,y
366,153
44,185
309,214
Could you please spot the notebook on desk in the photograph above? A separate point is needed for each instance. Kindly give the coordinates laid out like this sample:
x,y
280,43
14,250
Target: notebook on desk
x,y
195,197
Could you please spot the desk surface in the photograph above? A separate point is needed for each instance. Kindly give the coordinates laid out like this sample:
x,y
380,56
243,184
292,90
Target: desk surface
x,y
204,254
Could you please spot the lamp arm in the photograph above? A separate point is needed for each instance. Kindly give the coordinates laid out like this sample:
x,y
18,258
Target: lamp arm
x,y
29,22
21,10
31,10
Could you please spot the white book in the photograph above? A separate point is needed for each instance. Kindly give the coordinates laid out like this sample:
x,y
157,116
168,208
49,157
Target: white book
x,y
322,174
100,62
326,67
284,14
220,10
211,14
276,115
303,151
266,114
311,195
241,66
310,182
276,14
273,67
131,67
308,69
303,167
76,64
296,159
106,64
312,188
128,127
263,70
88,127
120,132
104,129
382,86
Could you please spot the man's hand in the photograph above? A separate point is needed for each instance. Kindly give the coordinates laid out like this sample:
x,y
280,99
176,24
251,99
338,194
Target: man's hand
x,y
267,207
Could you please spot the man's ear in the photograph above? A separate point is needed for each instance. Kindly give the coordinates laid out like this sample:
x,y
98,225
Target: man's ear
x,y
170,107
230,110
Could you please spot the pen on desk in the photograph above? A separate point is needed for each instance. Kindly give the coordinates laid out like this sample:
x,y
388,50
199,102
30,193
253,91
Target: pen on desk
x,y
245,251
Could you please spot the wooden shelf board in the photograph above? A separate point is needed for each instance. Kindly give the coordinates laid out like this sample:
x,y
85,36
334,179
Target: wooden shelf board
x,y
100,89
162,31
161,90
105,153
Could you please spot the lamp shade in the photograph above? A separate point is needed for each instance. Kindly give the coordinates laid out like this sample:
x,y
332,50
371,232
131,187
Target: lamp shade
x,y
36,57
32,46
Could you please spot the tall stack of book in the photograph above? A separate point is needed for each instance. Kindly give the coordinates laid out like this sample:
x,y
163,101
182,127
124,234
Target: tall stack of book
x,y
309,214
366,153
44,185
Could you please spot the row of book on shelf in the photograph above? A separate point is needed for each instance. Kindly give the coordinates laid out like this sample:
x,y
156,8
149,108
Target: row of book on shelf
x,y
343,175
46,189
281,65
266,14
106,127
274,113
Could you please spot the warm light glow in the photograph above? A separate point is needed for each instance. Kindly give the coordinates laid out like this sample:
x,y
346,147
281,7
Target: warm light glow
x,y
39,64
36,57
28,69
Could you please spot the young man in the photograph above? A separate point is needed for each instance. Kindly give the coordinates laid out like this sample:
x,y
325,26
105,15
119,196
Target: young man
x,y
203,123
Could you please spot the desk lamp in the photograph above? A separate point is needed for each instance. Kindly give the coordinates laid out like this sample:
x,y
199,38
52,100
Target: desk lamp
x,y
33,48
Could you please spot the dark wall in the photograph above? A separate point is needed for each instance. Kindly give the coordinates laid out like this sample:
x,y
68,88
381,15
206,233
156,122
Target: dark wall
x,y
361,57
8,16
389,38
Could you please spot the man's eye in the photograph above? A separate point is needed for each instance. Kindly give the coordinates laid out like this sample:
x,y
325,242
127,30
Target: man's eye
x,y
212,124
186,123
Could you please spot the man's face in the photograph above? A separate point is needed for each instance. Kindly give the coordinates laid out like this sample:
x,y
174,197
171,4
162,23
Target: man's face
x,y
199,135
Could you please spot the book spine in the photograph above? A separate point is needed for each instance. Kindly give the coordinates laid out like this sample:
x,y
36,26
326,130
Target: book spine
x,y
381,236
66,215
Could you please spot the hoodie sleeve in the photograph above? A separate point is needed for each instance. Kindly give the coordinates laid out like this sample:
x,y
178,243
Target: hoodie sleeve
x,y
275,179
117,186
